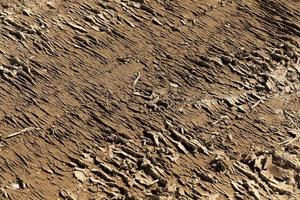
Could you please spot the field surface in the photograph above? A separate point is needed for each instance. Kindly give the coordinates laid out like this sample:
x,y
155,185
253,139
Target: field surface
x,y
150,99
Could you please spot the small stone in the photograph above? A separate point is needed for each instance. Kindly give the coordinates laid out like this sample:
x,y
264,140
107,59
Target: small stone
x,y
226,59
67,195
174,85
80,176
15,186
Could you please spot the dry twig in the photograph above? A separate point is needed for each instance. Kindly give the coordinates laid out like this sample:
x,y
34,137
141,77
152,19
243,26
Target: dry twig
x,y
25,130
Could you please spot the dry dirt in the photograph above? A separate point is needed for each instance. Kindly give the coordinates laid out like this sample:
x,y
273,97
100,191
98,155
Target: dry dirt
x,y
150,99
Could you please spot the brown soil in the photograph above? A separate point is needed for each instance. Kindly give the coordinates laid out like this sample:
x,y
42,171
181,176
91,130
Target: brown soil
x,y
145,99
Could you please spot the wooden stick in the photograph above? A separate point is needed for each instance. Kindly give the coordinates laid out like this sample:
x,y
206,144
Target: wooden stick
x,y
256,104
137,79
19,132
